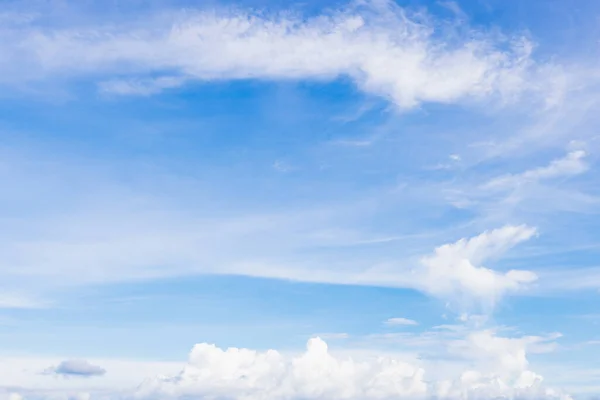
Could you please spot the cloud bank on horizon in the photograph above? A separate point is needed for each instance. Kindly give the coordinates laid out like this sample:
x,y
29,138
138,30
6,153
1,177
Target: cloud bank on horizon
x,y
168,169
316,374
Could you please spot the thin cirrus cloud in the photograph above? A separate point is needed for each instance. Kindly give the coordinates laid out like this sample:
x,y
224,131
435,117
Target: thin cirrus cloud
x,y
380,46
399,321
571,164
18,301
531,191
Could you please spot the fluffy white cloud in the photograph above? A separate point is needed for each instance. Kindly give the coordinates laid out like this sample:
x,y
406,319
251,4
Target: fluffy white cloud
x,y
316,374
454,272
469,363
377,44
502,356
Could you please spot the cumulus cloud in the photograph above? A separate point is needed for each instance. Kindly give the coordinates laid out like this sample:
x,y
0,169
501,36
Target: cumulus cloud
x,y
454,271
76,368
317,374
377,44
400,321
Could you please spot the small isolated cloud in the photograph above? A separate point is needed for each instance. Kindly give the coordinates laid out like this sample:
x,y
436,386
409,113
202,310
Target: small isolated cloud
x,y
400,321
455,271
76,368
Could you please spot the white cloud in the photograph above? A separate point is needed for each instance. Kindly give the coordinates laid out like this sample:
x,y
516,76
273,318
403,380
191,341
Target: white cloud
x,y
141,87
317,374
76,368
333,335
535,192
454,272
106,236
377,44
500,355
9,300
80,396
466,363
572,164
117,241
11,396
400,321
24,375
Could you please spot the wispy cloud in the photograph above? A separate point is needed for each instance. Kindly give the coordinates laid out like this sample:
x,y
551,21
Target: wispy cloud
x,y
16,301
572,164
141,87
538,190
333,336
397,321
380,46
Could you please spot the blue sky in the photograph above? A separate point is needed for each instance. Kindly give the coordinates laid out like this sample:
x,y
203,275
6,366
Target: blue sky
x,y
412,181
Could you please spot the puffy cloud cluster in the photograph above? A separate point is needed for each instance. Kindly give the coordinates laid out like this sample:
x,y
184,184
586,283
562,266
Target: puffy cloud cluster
x,y
246,374
454,272
377,44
